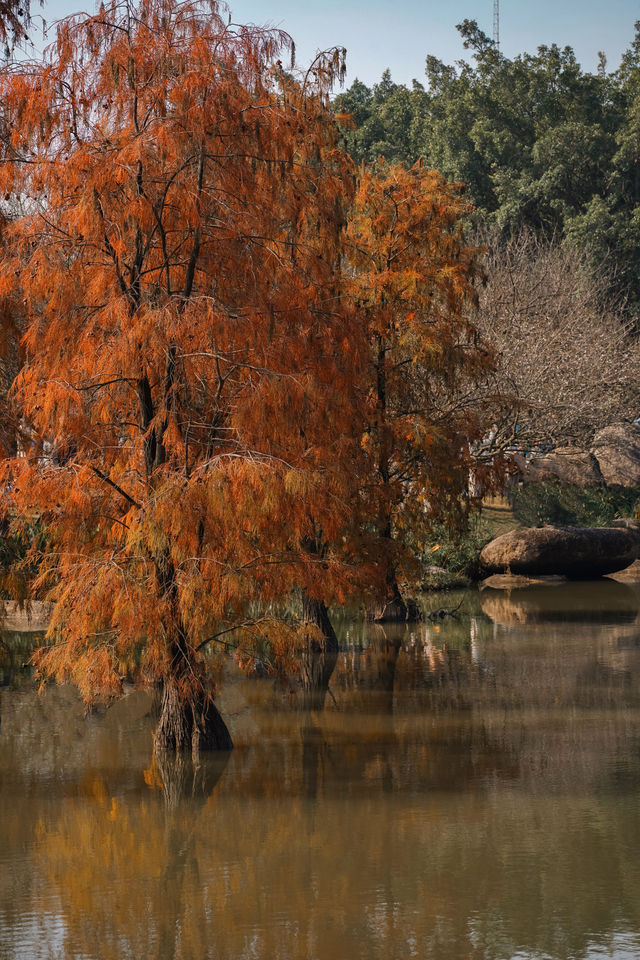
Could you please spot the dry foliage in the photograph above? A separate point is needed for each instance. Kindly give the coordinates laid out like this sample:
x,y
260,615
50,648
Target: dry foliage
x,y
227,396
568,362
189,365
15,18
11,329
412,283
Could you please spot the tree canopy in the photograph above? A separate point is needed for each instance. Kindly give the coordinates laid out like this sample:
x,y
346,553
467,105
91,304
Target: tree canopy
x,y
15,18
411,279
248,372
189,366
567,359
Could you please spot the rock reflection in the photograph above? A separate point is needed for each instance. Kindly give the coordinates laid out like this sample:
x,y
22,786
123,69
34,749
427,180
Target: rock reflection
x,y
581,645
599,601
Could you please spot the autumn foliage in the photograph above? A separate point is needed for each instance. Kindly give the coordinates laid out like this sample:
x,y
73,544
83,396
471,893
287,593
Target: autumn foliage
x,y
229,396
11,329
189,364
411,280
15,18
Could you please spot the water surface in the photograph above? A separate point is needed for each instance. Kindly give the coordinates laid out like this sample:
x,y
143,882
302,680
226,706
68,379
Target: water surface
x,y
467,788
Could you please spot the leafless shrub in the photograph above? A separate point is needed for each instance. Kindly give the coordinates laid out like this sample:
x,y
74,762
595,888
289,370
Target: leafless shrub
x,y
568,362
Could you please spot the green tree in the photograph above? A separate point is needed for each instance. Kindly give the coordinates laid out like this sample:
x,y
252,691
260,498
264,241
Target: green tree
x,y
383,121
539,143
533,137
608,225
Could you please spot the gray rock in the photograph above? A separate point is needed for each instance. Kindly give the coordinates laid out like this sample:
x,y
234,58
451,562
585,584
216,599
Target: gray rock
x,y
569,464
575,552
617,450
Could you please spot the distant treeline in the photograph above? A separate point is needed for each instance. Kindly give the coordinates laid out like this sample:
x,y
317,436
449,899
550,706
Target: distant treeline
x,y
539,142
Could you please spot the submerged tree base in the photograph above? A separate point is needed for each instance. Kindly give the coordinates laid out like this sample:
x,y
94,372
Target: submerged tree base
x,y
194,724
315,612
319,658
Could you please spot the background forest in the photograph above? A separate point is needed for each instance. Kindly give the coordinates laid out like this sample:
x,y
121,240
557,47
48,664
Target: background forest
x,y
539,143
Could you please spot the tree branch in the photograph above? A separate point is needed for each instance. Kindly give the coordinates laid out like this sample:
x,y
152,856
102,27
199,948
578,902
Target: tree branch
x,y
115,486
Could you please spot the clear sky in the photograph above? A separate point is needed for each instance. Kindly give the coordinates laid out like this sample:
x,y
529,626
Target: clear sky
x,y
399,33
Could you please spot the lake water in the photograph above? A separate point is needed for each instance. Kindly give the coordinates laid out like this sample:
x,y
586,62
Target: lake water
x,y
467,790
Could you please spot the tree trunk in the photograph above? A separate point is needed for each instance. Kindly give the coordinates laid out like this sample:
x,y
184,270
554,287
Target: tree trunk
x,y
189,718
315,612
190,724
319,658
394,608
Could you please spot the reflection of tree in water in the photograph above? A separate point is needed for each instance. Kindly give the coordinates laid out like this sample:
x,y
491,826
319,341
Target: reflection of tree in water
x,y
303,851
318,664
316,756
401,674
366,670
115,867
282,877
182,777
373,678
126,869
454,748
441,675
7,665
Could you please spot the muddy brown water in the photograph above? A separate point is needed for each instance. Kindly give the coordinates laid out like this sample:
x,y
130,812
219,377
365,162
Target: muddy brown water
x,y
466,789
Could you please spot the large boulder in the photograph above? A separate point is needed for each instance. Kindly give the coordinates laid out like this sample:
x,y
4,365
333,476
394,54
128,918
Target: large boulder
x,y
569,464
617,450
575,552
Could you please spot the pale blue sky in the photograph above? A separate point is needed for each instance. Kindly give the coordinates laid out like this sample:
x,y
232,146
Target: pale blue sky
x,y
399,33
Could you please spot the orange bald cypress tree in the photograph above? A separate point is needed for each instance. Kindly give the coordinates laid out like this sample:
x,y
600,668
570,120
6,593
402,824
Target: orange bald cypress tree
x,y
411,280
189,365
10,356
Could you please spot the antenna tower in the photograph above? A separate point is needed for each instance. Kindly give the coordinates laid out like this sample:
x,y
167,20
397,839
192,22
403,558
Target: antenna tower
x,y
496,23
